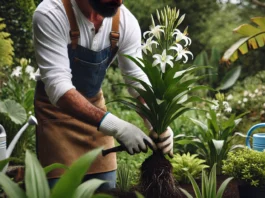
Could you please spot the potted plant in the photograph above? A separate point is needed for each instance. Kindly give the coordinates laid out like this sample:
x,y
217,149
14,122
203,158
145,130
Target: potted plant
x,y
248,167
171,90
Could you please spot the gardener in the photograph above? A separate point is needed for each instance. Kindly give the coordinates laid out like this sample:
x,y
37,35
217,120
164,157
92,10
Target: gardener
x,y
75,42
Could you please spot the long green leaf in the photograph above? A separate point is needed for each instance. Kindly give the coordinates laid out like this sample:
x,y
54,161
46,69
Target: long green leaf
x,y
230,78
212,181
201,125
35,179
87,189
223,187
195,187
185,192
11,188
138,195
4,162
51,167
71,179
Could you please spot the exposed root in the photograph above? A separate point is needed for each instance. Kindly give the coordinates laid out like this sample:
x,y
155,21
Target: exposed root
x,y
157,180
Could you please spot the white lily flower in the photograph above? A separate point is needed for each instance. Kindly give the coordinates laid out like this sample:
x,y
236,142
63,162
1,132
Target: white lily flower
x,y
148,45
163,60
17,71
180,36
29,69
32,76
155,31
181,52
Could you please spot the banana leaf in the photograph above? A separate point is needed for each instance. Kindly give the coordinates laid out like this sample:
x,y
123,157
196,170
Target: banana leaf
x,y
254,38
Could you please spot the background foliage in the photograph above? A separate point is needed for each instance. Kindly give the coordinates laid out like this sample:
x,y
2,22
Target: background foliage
x,y
210,26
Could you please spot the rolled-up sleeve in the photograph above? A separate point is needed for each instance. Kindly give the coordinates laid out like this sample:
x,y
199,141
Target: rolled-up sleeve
x,y
50,43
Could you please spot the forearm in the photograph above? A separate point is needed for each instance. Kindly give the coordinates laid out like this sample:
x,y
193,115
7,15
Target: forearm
x,y
79,107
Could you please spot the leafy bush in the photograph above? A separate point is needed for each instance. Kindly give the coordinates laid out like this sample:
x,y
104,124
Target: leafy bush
x,y
217,134
246,165
18,18
249,95
6,47
187,164
18,86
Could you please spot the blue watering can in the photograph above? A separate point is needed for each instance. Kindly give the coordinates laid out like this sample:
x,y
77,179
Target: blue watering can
x,y
258,139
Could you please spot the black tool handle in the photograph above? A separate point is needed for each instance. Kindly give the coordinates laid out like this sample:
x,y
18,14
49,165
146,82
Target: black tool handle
x,y
114,149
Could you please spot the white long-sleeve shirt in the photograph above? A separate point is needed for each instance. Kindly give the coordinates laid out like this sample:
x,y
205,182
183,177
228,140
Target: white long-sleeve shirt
x,y
51,37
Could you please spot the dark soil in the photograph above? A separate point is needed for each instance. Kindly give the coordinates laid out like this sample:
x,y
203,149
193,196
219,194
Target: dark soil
x,y
230,192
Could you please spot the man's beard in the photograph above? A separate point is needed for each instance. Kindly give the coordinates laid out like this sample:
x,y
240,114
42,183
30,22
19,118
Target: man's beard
x,y
104,9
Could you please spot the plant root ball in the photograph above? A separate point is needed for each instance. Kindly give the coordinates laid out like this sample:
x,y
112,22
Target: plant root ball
x,y
157,180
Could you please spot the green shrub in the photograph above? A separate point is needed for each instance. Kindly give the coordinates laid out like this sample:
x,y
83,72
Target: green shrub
x,y
187,164
6,47
18,18
246,165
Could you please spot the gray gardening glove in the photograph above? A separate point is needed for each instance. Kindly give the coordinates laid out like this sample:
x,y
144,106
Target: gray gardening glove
x,y
130,136
165,141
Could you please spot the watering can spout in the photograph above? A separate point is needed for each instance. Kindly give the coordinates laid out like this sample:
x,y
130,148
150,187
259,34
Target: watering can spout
x,y
31,121
6,152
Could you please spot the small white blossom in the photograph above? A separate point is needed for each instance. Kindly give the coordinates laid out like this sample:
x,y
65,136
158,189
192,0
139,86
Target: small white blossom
x,y
181,52
163,60
154,31
17,71
226,104
218,115
29,69
239,102
32,76
148,45
229,97
245,93
256,91
30,112
180,36
215,107
228,109
252,95
245,99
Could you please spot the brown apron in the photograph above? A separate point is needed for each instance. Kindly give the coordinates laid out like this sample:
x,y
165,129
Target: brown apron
x,y
63,139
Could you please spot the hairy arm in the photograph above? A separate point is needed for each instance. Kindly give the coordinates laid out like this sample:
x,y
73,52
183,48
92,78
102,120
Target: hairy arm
x,y
78,106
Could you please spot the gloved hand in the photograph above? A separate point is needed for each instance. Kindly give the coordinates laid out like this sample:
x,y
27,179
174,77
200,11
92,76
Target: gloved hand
x,y
127,134
165,141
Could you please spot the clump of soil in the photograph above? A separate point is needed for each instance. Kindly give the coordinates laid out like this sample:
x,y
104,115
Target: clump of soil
x,y
157,180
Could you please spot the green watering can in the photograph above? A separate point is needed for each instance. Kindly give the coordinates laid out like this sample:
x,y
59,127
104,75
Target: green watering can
x,y
258,138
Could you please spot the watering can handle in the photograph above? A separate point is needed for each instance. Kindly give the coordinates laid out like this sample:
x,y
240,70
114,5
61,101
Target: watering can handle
x,y
249,133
